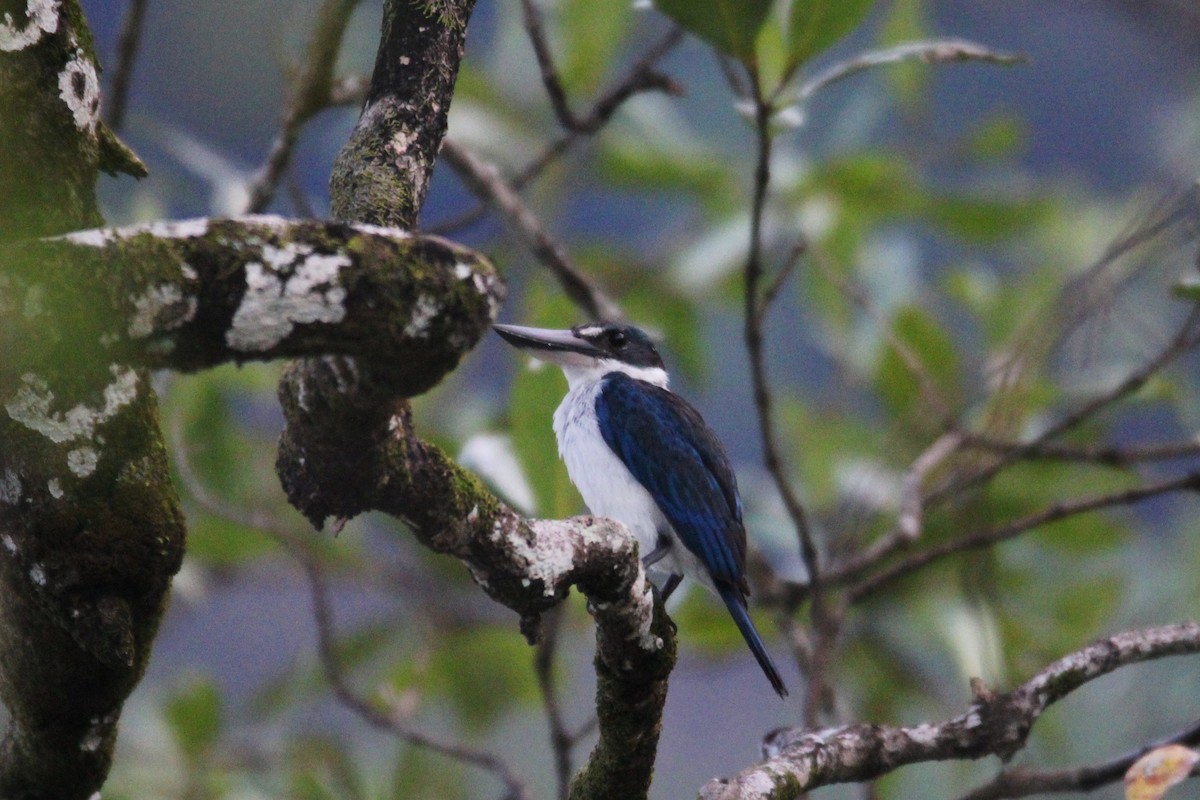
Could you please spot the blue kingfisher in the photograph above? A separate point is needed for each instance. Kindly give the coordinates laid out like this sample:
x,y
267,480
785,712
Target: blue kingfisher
x,y
639,454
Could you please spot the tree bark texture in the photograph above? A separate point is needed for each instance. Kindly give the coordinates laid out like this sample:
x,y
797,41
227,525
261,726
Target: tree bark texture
x,y
90,526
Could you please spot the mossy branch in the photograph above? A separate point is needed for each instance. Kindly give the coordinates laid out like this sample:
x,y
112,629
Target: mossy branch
x,y
190,295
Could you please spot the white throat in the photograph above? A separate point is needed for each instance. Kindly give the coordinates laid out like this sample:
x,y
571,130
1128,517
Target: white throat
x,y
582,375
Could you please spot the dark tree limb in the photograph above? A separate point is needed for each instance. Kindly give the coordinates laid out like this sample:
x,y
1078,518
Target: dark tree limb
x,y
383,172
349,445
1023,782
90,526
800,760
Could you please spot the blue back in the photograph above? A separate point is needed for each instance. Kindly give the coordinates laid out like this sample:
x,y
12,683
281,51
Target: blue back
x,y
671,452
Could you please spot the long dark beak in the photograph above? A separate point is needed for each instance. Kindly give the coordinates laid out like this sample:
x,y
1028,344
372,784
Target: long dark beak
x,y
547,344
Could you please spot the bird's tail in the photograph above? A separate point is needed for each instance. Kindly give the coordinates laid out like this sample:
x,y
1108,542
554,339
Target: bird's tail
x,y
736,603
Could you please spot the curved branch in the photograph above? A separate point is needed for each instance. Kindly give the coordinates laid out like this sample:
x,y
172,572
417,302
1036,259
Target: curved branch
x,y
349,451
801,760
484,181
1022,782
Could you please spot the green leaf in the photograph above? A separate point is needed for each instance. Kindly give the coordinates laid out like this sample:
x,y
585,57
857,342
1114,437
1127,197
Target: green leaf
x,y
537,390
731,26
986,219
905,21
814,25
1187,288
591,32
1001,136
933,348
193,715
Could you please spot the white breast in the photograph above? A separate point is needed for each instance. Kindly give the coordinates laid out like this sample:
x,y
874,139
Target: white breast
x,y
607,486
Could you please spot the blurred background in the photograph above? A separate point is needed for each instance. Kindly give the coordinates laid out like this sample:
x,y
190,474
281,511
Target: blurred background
x,y
956,197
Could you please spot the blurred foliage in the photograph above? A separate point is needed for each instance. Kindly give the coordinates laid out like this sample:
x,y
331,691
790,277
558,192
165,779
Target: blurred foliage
x,y
928,256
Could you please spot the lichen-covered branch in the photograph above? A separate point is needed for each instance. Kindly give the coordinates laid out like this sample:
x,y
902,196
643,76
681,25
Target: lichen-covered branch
x,y
383,172
800,760
349,449
192,294
349,445
90,526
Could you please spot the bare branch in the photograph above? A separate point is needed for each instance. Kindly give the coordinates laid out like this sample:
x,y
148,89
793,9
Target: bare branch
x,y
640,78
127,49
800,760
484,181
1022,782
991,536
936,51
1104,455
561,740
754,338
1185,339
391,720
312,91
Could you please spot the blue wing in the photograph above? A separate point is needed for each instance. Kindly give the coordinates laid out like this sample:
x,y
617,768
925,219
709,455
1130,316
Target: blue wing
x,y
670,450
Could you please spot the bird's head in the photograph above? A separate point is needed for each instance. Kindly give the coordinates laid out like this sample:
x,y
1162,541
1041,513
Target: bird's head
x,y
588,352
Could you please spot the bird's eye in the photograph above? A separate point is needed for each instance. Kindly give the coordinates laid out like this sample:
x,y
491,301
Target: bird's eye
x,y
617,339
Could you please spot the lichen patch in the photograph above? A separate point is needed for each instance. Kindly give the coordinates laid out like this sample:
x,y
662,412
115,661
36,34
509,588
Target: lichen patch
x,y
41,18
79,88
82,461
161,309
10,488
33,407
425,310
291,285
171,229
380,230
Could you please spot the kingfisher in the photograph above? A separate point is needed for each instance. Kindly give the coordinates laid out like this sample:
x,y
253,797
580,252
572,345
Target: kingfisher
x,y
640,454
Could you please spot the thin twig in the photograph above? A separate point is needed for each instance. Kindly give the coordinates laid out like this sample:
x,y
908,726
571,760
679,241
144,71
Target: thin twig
x,y
484,180
392,721
936,51
991,536
550,79
543,667
771,292
1104,455
1184,340
641,77
311,92
825,627
1023,782
117,97
754,339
